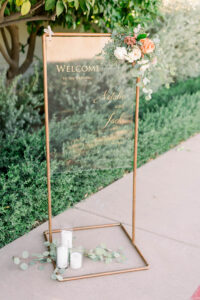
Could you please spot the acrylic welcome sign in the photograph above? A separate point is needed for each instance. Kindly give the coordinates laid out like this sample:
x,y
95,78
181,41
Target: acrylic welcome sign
x,y
89,125
90,106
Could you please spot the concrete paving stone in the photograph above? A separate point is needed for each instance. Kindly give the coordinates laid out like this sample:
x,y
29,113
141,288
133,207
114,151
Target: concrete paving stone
x,y
174,269
168,228
168,201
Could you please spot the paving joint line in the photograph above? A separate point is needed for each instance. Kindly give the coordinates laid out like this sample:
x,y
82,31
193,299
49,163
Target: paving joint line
x,y
139,228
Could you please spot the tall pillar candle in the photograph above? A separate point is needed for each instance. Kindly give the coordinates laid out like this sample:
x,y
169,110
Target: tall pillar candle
x,y
62,257
66,238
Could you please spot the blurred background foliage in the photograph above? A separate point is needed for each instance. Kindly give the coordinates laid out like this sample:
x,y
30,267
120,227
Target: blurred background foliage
x,y
171,116
82,15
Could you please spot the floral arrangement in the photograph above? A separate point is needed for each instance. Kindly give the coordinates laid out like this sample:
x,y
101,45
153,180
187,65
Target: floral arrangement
x,y
135,49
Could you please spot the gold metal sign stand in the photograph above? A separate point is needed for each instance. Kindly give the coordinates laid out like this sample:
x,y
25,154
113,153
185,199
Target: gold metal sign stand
x,y
48,234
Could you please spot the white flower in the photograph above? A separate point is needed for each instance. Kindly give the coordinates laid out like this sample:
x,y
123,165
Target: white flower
x,y
144,67
150,91
135,54
156,40
146,80
143,61
137,29
145,90
120,53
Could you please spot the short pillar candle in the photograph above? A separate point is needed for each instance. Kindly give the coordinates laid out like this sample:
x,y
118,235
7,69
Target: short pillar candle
x,y
76,259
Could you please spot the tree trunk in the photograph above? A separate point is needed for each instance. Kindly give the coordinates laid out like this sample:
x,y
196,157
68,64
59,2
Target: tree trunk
x,y
14,53
11,51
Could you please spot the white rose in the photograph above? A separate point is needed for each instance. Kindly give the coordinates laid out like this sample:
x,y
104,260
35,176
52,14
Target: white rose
x,y
120,53
135,54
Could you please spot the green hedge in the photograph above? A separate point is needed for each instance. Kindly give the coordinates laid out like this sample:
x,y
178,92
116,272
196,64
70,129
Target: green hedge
x,y
169,118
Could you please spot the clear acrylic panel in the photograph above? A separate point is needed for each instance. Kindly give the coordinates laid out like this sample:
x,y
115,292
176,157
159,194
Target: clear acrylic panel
x,y
90,106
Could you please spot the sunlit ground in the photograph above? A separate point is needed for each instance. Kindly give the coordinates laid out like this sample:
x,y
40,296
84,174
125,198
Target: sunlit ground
x,y
181,4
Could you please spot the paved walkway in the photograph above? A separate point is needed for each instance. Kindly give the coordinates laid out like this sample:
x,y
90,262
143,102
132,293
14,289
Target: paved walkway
x,y
168,234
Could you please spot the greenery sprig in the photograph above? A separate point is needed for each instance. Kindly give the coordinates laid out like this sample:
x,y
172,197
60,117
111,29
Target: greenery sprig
x,y
100,253
104,254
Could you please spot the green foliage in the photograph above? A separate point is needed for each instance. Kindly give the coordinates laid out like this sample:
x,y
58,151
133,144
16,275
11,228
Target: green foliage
x,y
104,254
179,33
91,13
20,104
100,253
27,260
169,118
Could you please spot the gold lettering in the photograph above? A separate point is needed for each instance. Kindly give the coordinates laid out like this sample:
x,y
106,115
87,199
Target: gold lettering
x,y
60,68
78,68
93,68
113,96
114,121
109,120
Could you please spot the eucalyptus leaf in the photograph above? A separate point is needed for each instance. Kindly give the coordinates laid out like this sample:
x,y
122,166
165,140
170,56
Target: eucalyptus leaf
x,y
99,251
46,253
59,277
47,243
53,276
25,254
61,271
103,246
24,266
39,255
108,260
116,254
16,260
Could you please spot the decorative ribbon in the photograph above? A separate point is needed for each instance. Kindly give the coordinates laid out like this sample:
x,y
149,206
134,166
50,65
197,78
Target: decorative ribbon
x,y
49,32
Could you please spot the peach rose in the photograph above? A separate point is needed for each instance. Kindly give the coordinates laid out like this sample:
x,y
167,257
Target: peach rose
x,y
147,45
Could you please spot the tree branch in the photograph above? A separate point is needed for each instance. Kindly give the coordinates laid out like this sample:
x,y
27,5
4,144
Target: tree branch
x,y
7,57
2,10
5,41
37,5
30,52
18,15
28,19
14,35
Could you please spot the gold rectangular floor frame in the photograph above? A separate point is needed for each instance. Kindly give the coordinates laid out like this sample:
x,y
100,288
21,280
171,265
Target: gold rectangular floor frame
x,y
145,267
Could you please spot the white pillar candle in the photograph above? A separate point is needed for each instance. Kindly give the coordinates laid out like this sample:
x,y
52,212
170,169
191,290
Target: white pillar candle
x,y
62,257
76,260
66,238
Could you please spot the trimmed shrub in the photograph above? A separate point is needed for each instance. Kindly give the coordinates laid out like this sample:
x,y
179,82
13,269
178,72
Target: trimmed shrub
x,y
169,118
